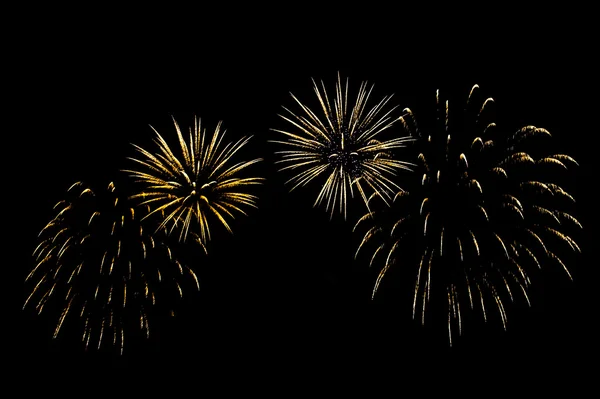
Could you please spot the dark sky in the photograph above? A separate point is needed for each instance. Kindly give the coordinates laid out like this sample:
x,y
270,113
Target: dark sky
x,y
283,295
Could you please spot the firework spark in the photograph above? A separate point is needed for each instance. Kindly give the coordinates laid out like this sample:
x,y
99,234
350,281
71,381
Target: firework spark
x,y
342,146
201,180
97,264
481,210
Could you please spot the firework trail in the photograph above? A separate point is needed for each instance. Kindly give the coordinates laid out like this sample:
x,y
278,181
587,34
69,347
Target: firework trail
x,y
482,208
102,270
342,147
186,188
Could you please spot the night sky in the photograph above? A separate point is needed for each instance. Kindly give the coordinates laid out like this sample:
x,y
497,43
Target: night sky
x,y
283,296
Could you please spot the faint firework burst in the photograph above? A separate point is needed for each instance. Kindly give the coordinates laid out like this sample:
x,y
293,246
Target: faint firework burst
x,y
200,181
99,268
482,208
343,146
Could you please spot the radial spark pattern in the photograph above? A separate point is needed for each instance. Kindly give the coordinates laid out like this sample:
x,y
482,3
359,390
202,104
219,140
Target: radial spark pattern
x,y
100,269
342,148
198,182
482,209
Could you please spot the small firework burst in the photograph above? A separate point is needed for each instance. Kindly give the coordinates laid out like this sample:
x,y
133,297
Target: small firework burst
x,y
101,269
202,181
343,146
481,210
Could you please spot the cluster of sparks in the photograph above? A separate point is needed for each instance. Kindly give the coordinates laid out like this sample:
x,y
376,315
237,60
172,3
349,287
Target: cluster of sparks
x,y
96,262
198,182
478,214
342,147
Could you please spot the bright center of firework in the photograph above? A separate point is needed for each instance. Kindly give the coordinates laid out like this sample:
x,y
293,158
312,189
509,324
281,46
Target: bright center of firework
x,y
199,191
343,155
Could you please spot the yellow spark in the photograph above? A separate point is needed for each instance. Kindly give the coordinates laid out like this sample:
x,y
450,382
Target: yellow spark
x,y
463,159
423,205
62,317
418,282
560,262
474,242
375,254
101,334
503,246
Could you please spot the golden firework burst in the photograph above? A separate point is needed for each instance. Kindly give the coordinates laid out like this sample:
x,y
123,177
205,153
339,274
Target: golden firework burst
x,y
97,264
481,209
200,181
343,146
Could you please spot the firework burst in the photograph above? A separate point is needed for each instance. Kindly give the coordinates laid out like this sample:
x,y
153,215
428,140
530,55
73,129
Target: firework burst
x,y
100,268
481,210
342,147
187,188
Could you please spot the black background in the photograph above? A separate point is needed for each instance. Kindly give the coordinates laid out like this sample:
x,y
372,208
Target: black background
x,y
283,300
